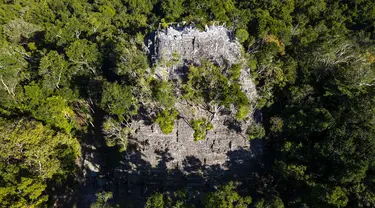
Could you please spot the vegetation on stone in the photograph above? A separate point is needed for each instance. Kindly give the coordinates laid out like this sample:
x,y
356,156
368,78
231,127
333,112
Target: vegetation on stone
x,y
166,119
200,127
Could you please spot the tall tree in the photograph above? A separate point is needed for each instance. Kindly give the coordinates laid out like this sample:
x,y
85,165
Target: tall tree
x,y
31,155
13,67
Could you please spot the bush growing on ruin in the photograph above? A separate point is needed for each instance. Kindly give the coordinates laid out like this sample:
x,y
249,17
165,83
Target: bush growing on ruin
x,y
166,119
207,84
162,92
200,127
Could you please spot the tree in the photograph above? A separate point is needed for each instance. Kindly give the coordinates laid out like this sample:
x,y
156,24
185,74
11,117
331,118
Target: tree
x,y
118,100
129,60
31,155
242,35
173,9
13,67
134,14
54,70
102,199
19,28
312,62
276,124
255,131
55,111
272,202
163,93
208,85
226,197
33,96
156,200
176,199
337,197
84,55
116,133
240,101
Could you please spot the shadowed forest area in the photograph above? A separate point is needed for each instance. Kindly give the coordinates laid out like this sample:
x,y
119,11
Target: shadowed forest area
x,y
76,75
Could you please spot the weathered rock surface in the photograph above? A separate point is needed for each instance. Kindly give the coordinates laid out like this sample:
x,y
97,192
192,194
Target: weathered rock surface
x,y
215,43
187,45
172,50
180,143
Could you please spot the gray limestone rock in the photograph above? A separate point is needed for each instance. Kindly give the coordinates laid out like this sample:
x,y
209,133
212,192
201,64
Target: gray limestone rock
x,y
172,50
180,143
216,43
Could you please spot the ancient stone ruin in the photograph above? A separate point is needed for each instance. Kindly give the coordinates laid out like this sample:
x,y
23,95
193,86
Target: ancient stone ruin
x,y
216,44
172,50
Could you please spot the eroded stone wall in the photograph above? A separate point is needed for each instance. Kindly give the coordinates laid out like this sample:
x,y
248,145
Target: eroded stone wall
x,y
215,43
180,143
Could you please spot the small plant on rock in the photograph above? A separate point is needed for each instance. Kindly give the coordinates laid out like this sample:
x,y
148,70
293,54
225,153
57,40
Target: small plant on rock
x,y
166,119
200,127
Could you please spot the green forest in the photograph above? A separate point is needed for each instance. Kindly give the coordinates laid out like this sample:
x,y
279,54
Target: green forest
x,y
74,72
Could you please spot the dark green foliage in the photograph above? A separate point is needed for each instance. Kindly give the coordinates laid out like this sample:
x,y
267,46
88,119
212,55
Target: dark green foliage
x,y
54,70
84,56
272,202
129,60
118,100
319,124
178,199
206,84
163,93
226,197
276,125
156,200
255,131
102,199
173,9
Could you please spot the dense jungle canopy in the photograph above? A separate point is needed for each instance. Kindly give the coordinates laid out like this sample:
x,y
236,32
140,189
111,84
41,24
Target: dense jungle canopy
x,y
76,72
